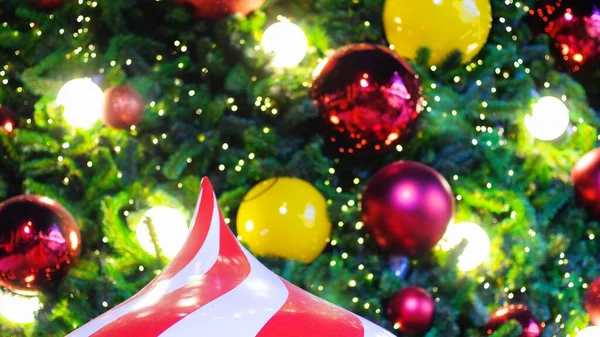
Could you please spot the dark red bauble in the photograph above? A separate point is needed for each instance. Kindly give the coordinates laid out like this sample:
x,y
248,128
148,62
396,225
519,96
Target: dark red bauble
x,y
215,9
592,302
586,179
123,107
368,99
48,4
518,312
8,121
412,310
407,207
39,243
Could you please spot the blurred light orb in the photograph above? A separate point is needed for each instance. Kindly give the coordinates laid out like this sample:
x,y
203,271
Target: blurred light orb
x,y
548,120
19,309
82,100
591,331
478,247
287,42
170,227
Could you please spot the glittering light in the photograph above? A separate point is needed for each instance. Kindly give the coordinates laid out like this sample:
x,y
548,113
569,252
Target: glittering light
x,y
592,331
170,227
82,101
478,248
549,119
18,309
287,42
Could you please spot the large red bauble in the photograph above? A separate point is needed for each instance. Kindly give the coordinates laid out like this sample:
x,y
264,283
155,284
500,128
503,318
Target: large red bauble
x,y
8,121
592,302
412,310
518,312
39,243
586,179
407,207
368,98
123,107
215,9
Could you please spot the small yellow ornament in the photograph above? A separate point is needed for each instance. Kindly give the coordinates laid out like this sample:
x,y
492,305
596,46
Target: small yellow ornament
x,y
443,26
284,217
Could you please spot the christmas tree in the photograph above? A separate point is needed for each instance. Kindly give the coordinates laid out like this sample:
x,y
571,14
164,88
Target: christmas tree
x,y
113,111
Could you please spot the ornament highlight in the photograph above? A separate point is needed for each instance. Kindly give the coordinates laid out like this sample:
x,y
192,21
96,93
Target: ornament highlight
x,y
82,100
284,217
39,243
216,9
412,310
585,175
441,26
368,99
478,248
590,331
19,309
407,207
548,120
287,42
592,302
123,107
518,312
8,121
170,227
216,287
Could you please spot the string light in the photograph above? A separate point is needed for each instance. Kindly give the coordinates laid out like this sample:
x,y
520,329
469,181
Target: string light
x,y
287,42
478,248
19,309
82,100
170,227
548,120
591,331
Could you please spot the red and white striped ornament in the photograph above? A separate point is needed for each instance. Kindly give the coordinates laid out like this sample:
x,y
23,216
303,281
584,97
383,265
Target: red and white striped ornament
x,y
214,287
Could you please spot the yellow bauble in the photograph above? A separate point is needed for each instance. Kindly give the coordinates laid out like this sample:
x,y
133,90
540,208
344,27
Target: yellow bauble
x,y
285,217
443,26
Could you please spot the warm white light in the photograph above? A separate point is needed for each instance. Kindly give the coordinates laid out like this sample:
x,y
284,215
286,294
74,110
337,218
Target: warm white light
x,y
592,331
170,227
18,309
287,42
478,247
82,100
549,118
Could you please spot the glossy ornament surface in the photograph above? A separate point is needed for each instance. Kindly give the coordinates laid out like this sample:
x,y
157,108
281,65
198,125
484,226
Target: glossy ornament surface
x,y
123,107
592,302
284,217
518,312
8,120
215,9
412,310
442,26
368,99
39,243
407,207
214,287
586,179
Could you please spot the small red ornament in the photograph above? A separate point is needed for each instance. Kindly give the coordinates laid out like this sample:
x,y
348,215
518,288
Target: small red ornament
x,y
368,99
407,207
592,302
587,185
412,310
215,9
8,121
518,312
49,4
39,243
123,107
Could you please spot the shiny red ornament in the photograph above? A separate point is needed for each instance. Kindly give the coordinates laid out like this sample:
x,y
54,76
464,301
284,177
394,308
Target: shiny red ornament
x,y
407,207
585,176
518,312
123,107
39,243
412,310
215,9
8,121
49,4
368,99
592,302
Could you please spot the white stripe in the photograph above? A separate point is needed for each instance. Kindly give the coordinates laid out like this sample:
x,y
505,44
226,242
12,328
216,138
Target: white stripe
x,y
372,330
242,312
204,260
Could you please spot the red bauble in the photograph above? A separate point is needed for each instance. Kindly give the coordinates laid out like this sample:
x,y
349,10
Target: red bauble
x,y
215,9
123,107
407,207
368,98
49,4
8,121
592,302
587,185
412,310
518,312
39,243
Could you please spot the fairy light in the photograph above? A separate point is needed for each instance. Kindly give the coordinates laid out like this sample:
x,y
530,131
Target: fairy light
x,y
591,331
548,120
478,248
19,309
287,42
170,226
82,100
